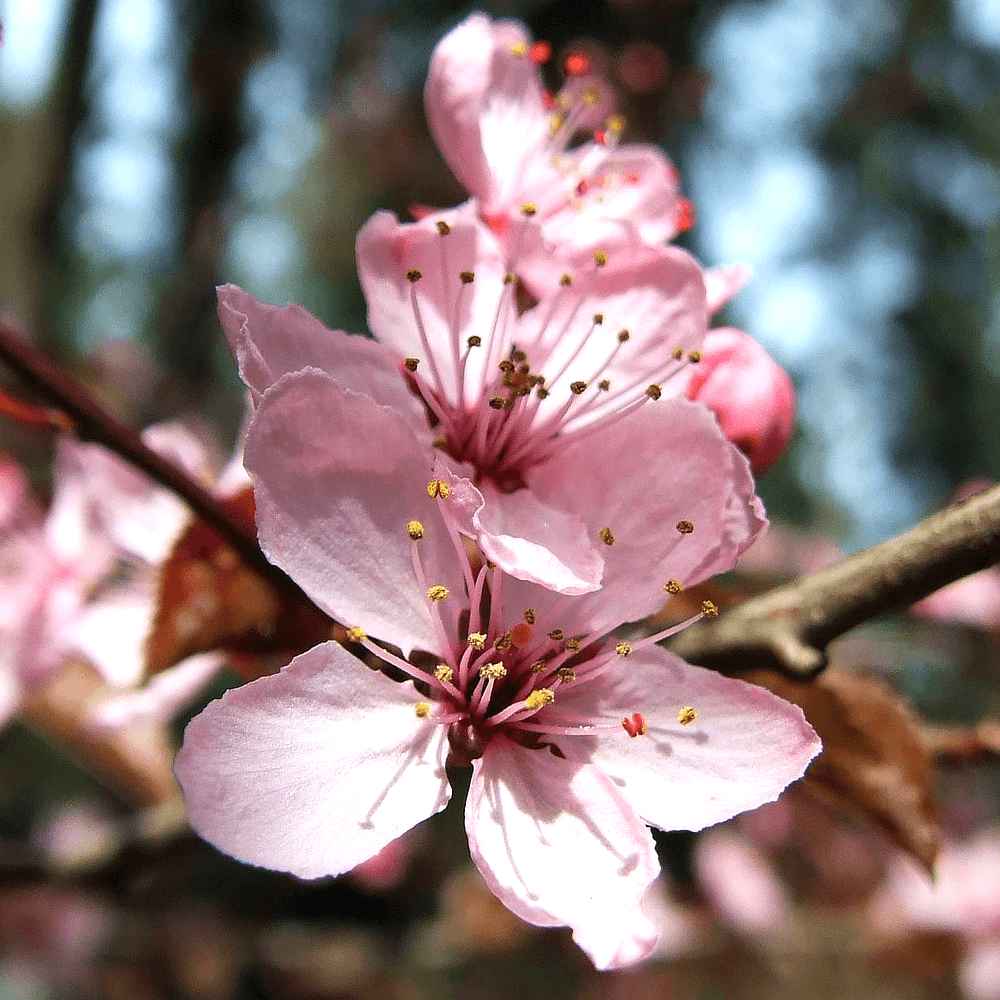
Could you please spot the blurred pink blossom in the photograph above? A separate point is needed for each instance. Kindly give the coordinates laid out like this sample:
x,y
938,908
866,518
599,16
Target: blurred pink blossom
x,y
319,767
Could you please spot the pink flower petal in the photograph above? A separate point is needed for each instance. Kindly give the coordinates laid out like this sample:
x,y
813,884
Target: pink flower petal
x,y
337,478
750,393
743,748
271,341
558,844
314,769
722,283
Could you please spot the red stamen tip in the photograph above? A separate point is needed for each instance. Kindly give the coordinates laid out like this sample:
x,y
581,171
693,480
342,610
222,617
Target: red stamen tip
x,y
576,64
601,137
685,214
520,635
548,100
636,726
581,188
540,53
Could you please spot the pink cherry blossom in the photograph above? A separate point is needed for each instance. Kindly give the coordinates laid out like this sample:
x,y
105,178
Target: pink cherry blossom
x,y
501,392
318,768
749,392
508,142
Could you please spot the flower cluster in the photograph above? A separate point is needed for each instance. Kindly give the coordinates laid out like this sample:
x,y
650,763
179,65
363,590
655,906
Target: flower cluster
x,y
517,465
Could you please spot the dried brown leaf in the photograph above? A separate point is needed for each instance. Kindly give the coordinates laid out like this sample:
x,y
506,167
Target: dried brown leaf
x,y
874,760
211,600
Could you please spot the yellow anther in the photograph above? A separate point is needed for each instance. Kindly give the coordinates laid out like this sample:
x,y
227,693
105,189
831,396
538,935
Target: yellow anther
x,y
530,616
442,227
591,96
555,123
414,274
572,645
616,123
528,210
685,527
477,640
598,318
539,698
578,388
677,354
709,610
607,536
415,530
423,709
694,357
566,674
623,336
654,391
623,649
467,277
539,666
493,672
604,384
687,715
437,593
673,586
474,341
556,635
410,364
600,258
443,672
518,49
440,442
438,488
566,280
356,634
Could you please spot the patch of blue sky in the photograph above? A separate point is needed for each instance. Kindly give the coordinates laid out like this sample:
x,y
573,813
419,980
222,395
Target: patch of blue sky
x,y
265,256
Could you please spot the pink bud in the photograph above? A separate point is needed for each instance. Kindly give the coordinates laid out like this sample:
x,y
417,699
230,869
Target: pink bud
x,y
748,391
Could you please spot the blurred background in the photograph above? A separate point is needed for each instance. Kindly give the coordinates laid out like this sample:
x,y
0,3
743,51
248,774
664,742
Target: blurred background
x,y
847,152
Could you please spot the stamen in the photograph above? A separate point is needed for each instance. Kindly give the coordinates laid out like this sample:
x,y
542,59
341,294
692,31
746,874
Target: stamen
x,y
410,364
477,640
438,488
607,536
556,635
467,277
685,527
437,593
443,672
623,649
673,586
566,674
539,698
415,530
530,616
636,726
442,227
422,709
356,634
540,53
709,610
687,715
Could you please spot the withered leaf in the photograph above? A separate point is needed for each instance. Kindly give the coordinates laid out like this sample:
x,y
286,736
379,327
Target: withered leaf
x,y
210,599
874,759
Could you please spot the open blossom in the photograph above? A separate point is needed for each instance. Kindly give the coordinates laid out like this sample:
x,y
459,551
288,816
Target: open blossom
x,y
576,740
509,142
503,394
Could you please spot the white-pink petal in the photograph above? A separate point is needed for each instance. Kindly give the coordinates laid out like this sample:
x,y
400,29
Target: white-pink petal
x,y
314,769
558,844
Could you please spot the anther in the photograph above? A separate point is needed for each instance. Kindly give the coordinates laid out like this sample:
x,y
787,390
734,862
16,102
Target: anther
x,y
442,227
556,635
539,698
477,640
415,530
572,645
591,96
438,488
413,275
539,666
623,336
685,527
506,366
518,49
422,709
542,393
604,385
576,64
566,280
616,123
598,318
540,53
519,356
687,715
694,357
497,402
410,364
437,593
528,210
443,672
440,442
600,258
673,586
677,354
636,726
530,616
474,341
607,536
493,672
578,388
502,642
356,634
509,278
709,609
467,277
566,674
623,649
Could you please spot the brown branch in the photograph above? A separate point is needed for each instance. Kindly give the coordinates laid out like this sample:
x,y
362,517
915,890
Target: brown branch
x,y
960,745
789,628
92,422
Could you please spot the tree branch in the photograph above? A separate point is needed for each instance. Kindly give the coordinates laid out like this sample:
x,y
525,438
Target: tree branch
x,y
92,422
789,628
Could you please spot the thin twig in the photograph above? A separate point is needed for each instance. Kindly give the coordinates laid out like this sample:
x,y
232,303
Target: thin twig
x,y
789,628
90,421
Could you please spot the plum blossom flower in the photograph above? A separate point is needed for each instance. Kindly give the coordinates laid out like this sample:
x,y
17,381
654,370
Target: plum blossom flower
x,y
749,392
503,393
576,739
508,142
